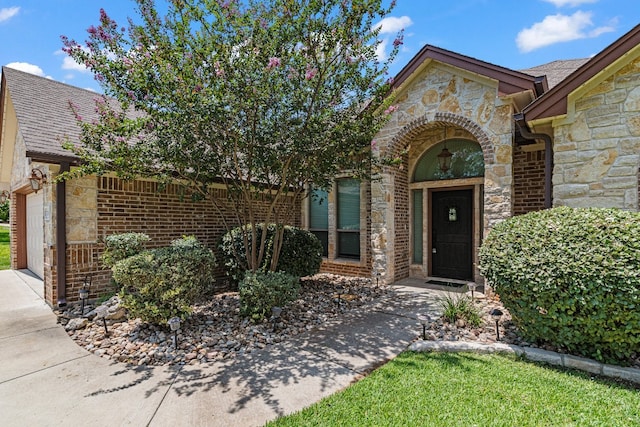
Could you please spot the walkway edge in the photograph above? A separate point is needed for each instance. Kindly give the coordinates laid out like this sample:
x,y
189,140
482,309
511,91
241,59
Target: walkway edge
x,y
533,354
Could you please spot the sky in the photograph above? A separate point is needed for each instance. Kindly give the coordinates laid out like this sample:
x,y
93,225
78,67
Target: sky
x,y
513,34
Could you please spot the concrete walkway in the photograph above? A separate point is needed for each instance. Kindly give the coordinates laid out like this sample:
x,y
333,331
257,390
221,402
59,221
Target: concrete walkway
x,y
47,380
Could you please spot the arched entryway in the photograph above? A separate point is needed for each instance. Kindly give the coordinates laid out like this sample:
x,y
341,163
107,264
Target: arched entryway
x,y
397,222
446,186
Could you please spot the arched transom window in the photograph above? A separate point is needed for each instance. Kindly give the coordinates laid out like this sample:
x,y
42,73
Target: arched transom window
x,y
466,161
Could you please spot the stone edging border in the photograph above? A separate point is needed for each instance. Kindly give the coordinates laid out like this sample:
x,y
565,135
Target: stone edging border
x,y
533,354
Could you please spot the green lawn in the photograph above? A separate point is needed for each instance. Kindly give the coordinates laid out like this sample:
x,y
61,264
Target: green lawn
x,y
4,248
446,389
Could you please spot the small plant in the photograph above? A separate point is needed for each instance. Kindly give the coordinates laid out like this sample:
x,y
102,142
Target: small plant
x,y
121,246
162,283
261,291
460,308
301,253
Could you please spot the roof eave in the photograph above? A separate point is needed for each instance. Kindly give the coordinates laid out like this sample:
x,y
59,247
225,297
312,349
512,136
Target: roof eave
x,y
554,102
51,158
509,81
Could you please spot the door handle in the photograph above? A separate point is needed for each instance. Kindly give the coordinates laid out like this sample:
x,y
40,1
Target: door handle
x,y
433,251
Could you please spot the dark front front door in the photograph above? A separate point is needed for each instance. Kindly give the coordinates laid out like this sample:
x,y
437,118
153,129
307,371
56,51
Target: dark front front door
x,y
451,231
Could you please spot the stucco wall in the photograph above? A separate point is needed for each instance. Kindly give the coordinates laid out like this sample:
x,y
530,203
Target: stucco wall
x,y
597,147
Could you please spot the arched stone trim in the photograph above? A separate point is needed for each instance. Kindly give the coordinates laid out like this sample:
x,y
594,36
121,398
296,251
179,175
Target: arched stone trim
x,y
439,119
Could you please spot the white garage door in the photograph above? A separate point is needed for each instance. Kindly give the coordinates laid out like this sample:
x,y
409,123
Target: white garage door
x,y
35,234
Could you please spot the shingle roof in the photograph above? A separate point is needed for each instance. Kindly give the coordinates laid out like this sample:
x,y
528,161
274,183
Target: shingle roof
x,y
556,71
554,102
44,116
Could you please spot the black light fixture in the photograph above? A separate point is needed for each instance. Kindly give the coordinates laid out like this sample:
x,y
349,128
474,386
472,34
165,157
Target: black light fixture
x,y
496,314
174,325
444,158
424,320
37,179
4,196
101,313
83,293
472,287
340,290
275,315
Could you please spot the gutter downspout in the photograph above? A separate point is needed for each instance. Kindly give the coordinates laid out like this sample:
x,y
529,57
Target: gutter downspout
x,y
61,237
548,156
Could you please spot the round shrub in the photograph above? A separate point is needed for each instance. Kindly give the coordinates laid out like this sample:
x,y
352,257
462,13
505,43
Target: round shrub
x,y
301,253
162,283
4,211
570,278
261,291
121,246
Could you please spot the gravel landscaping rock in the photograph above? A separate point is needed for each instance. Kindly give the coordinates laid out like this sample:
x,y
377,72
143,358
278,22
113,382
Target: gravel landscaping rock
x,y
215,330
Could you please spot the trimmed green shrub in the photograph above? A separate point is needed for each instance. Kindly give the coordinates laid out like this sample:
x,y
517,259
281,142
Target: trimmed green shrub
x,y
162,283
121,246
261,291
570,278
301,253
4,211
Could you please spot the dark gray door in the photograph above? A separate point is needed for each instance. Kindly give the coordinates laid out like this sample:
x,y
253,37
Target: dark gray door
x,y
452,234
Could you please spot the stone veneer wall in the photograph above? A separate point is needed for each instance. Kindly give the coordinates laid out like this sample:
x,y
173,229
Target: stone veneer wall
x,y
528,180
128,206
440,96
597,148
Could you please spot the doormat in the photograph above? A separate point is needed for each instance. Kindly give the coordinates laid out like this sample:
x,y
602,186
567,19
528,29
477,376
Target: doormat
x,y
448,284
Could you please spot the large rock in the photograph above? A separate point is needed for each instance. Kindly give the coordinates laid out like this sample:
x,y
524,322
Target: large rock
x,y
77,323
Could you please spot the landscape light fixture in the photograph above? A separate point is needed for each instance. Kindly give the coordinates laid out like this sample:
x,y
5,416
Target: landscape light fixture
x,y
424,320
472,287
496,314
340,290
174,325
83,293
275,315
36,179
101,313
444,158
4,196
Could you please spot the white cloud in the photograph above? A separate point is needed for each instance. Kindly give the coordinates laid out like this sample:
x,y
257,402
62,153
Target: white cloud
x,y
570,3
69,64
7,13
392,24
27,68
557,29
389,27
381,50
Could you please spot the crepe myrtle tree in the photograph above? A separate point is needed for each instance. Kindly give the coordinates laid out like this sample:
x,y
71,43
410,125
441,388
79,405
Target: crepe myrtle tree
x,y
263,97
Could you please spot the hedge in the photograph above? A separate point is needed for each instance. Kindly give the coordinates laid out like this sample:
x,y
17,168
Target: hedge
x,y
301,253
162,283
570,278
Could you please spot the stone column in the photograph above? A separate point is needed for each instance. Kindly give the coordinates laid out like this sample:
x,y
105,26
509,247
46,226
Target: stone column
x,y
382,226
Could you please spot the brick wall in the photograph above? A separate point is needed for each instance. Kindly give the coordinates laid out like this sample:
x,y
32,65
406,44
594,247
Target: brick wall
x,y
163,213
402,238
528,181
